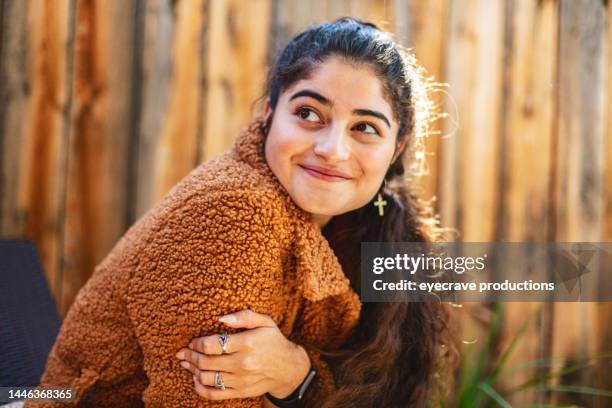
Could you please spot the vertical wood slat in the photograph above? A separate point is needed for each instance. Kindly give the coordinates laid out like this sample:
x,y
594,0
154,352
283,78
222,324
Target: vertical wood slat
x,y
420,26
34,81
474,69
479,139
527,143
579,178
159,27
15,92
578,192
170,124
469,149
237,50
607,227
96,196
604,332
528,135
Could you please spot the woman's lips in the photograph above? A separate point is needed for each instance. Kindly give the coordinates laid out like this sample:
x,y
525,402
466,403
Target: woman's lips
x,y
322,176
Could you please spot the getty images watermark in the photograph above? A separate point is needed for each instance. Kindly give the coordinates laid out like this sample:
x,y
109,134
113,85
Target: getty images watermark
x,y
477,272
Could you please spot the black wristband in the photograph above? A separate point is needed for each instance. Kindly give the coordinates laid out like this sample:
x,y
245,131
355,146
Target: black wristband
x,y
294,398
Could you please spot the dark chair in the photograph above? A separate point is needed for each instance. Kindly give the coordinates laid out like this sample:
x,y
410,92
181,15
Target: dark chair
x,y
29,322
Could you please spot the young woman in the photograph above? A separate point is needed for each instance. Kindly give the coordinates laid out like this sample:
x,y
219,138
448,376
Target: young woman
x,y
239,289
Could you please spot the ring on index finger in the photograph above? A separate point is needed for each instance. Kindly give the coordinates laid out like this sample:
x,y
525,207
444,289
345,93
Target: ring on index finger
x,y
223,339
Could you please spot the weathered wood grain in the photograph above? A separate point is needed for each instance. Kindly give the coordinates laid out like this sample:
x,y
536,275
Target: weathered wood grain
x,y
578,182
35,76
468,193
170,122
421,27
468,179
96,209
526,153
235,62
604,331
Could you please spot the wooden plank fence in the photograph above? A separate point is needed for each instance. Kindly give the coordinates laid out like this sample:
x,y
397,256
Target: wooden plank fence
x,y
106,104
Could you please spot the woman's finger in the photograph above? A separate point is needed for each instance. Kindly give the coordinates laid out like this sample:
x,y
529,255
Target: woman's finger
x,y
247,319
206,362
212,393
242,341
212,346
206,377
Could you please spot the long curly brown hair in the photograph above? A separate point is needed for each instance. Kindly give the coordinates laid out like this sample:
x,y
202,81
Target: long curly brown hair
x,y
400,354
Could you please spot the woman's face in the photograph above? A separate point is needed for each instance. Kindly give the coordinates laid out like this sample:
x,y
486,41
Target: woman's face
x,y
332,139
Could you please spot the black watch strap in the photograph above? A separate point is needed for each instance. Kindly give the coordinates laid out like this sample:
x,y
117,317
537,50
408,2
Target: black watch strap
x,y
294,398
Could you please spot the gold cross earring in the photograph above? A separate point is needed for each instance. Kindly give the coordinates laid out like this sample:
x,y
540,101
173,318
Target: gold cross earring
x,y
380,203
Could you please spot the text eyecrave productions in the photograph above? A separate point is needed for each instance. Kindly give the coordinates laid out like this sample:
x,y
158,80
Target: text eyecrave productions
x,y
405,284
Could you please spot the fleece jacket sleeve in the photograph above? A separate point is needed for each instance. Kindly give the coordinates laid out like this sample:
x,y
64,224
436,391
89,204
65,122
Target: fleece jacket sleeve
x,y
209,255
215,254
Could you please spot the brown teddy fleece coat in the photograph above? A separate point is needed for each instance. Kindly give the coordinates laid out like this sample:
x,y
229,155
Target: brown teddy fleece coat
x,y
227,237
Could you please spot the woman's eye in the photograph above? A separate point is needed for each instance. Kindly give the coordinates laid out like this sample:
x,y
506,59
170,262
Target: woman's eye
x,y
363,127
308,114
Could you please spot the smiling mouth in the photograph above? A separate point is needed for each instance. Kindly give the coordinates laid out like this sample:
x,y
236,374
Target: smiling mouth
x,y
322,176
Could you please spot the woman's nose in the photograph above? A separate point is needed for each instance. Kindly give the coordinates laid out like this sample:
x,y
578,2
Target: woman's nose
x,y
332,145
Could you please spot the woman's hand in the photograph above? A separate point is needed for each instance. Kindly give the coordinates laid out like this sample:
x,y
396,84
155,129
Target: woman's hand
x,y
258,360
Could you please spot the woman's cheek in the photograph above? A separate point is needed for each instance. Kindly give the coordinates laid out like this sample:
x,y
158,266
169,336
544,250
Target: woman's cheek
x,y
374,164
283,151
291,146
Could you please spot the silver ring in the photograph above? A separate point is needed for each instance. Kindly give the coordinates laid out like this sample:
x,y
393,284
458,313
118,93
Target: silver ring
x,y
223,339
219,381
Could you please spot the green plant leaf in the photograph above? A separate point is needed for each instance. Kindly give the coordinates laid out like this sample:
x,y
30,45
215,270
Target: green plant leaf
x,y
487,389
553,406
557,374
576,389
537,363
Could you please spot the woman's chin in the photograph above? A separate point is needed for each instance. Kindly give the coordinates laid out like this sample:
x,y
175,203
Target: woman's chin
x,y
322,206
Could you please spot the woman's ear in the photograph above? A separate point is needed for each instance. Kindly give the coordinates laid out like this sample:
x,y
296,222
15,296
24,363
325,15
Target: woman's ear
x,y
267,109
399,149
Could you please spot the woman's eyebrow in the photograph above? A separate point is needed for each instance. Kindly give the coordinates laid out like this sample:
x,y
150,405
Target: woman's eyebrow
x,y
327,102
368,112
314,95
